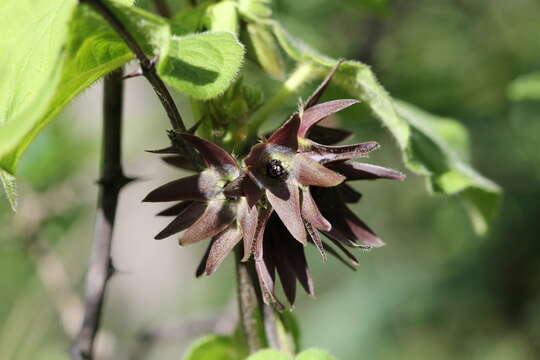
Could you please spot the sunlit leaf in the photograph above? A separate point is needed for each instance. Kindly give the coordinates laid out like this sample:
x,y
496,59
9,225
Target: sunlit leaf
x,y
223,16
216,347
266,49
31,53
202,65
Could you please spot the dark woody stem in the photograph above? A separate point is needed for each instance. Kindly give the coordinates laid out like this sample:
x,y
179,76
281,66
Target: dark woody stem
x,y
111,182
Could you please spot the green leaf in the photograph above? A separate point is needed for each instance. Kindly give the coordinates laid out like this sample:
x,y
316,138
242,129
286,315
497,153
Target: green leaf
x,y
34,33
202,65
314,354
430,152
526,87
8,181
255,10
432,146
223,16
268,354
267,51
216,347
288,332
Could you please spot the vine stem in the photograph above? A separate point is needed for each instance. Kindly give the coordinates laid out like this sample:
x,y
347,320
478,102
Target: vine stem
x,y
111,181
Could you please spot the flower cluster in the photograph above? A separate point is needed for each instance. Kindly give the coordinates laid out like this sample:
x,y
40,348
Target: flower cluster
x,y
284,194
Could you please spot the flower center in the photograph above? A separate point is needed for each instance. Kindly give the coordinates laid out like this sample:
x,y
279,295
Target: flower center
x,y
275,169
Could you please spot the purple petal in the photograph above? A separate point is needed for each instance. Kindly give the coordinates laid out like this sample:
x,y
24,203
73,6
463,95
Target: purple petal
x,y
267,285
202,264
310,172
252,192
362,171
314,234
286,135
311,212
315,97
319,112
285,200
350,264
325,153
222,245
274,253
175,209
327,135
196,187
348,194
179,161
213,155
215,219
258,236
184,220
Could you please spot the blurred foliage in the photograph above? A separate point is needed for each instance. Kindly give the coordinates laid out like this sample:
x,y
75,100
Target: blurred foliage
x,y
435,291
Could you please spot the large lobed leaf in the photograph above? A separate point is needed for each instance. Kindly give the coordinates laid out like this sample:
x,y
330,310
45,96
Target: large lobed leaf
x,y
434,147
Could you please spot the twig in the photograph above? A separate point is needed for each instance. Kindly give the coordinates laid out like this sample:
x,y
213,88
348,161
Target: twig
x,y
147,64
162,8
111,182
249,302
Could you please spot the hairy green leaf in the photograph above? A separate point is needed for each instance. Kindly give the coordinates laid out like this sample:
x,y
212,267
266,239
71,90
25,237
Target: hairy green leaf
x,y
34,33
216,347
526,87
202,65
314,354
8,181
266,49
269,354
223,16
255,10
433,152
432,146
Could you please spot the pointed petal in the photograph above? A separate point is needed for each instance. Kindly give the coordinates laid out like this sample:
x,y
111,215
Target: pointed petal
x,y
222,245
179,161
310,172
196,187
251,190
315,97
362,231
327,135
286,135
301,269
311,212
258,237
314,234
215,219
319,112
184,220
325,153
249,222
338,256
168,150
213,155
348,194
175,209
362,171
285,200
267,285
202,264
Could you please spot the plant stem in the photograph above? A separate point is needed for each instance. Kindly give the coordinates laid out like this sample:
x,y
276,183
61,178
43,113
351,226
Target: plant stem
x,y
111,182
147,65
249,302
302,74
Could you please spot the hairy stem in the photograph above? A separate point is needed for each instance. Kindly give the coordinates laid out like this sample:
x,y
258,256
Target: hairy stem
x,y
111,182
249,303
